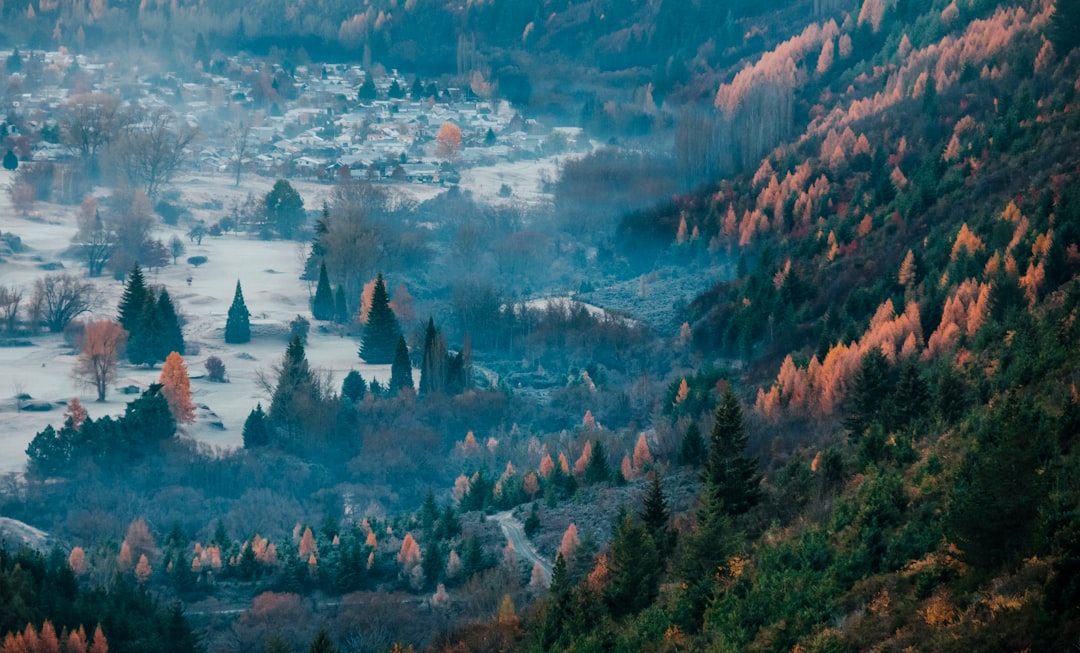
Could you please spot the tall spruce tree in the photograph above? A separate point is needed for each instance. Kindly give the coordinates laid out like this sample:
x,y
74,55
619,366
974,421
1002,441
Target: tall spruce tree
x,y
147,341
731,479
634,567
255,432
238,324
382,330
296,391
401,370
173,339
322,306
132,300
353,386
148,418
341,307
870,393
433,363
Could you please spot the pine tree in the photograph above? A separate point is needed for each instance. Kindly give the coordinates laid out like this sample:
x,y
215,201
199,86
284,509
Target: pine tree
x,y
176,386
381,332
296,390
238,324
322,307
731,479
654,509
132,300
870,392
912,396
692,452
634,568
401,370
173,339
341,307
322,643
148,418
353,386
598,470
146,343
433,364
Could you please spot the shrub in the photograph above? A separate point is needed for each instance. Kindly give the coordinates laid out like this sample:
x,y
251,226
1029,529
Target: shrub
x,y
196,260
298,328
215,370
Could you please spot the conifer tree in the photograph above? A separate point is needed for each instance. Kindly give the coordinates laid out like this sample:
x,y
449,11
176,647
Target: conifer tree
x,y
132,300
654,509
296,391
401,370
692,451
146,343
148,418
353,386
634,568
382,330
341,307
238,324
176,386
322,306
433,364
598,469
322,643
173,339
870,393
731,479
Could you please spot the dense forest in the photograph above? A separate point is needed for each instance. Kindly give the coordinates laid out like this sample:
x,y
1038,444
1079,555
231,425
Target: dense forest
x,y
863,437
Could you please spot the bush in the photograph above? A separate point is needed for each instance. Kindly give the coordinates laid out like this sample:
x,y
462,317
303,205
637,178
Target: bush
x,y
215,370
298,328
196,260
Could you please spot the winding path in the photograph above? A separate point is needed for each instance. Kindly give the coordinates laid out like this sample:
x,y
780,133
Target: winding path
x,y
515,533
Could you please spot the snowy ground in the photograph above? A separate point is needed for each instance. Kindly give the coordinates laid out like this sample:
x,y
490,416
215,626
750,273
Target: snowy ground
x,y
268,270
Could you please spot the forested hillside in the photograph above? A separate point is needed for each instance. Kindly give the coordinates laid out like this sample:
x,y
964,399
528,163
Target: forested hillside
x,y
863,438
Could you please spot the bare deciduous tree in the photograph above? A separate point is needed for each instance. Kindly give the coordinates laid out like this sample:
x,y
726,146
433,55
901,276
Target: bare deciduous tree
x,y
88,123
60,298
101,344
150,151
95,238
240,143
10,298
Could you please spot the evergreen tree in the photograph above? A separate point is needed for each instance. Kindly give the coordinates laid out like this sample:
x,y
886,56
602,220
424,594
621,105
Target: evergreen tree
x,y
296,389
353,386
432,562
598,470
322,643
654,509
401,370
912,397
238,324
731,479
11,162
255,432
870,393
146,345
341,308
634,568
382,331
322,307
148,418
132,300
284,208
1064,29
692,452
173,335
433,363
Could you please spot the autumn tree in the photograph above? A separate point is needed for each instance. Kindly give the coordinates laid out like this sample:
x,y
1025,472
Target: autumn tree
x,y
448,142
238,324
322,306
176,386
100,347
60,298
381,333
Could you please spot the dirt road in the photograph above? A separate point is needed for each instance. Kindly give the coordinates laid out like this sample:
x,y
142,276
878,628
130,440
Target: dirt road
x,y
515,532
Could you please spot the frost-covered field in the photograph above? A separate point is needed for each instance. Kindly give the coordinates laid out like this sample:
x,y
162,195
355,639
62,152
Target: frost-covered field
x,y
268,270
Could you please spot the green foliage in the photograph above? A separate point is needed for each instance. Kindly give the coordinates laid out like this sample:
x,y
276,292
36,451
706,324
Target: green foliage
x,y
11,162
401,369
256,433
634,567
148,418
322,306
341,308
284,208
172,333
381,333
870,393
353,386
731,480
598,470
132,300
692,451
238,323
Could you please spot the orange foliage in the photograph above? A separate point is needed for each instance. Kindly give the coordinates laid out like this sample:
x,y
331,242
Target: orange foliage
x,y
564,467
547,465
627,468
531,485
589,422
583,461
599,575
569,541
409,555
642,455
906,276
100,644
76,413
176,386
77,561
143,570
307,544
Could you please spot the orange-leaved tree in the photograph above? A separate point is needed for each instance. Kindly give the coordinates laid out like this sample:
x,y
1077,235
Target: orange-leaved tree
x,y
176,386
100,345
